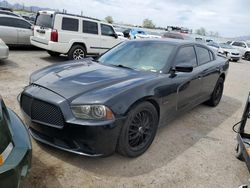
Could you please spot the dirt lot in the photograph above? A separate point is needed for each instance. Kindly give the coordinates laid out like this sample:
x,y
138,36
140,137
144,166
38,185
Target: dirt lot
x,y
196,150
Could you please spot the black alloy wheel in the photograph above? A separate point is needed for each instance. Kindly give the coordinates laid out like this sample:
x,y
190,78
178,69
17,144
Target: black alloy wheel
x,y
139,130
217,93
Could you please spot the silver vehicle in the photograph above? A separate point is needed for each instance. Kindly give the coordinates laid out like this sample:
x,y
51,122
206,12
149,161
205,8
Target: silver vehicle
x,y
225,50
243,47
15,30
9,13
4,50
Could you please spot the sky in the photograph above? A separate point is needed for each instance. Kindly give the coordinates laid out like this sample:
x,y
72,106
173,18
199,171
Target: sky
x,y
228,17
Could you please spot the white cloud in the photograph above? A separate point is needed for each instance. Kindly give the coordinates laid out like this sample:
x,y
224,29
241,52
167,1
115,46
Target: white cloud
x,y
228,17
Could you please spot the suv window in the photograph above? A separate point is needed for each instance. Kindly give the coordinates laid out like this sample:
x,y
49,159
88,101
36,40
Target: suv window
x,y
186,55
13,22
240,44
70,24
202,55
44,20
90,27
107,30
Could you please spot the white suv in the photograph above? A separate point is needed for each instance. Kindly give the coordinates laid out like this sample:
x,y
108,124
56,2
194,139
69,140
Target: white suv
x,y
243,47
73,35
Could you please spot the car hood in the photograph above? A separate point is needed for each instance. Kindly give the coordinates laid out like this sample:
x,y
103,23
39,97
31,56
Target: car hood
x,y
72,80
230,50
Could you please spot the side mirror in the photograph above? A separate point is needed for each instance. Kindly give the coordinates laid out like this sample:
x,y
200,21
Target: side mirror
x,y
115,35
183,68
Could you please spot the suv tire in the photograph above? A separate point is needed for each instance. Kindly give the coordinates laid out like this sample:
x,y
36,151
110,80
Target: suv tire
x,y
77,52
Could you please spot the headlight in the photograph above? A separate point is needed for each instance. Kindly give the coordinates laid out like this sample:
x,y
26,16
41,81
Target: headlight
x,y
92,112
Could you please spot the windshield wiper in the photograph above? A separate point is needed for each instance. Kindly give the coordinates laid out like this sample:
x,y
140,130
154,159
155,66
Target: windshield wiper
x,y
122,66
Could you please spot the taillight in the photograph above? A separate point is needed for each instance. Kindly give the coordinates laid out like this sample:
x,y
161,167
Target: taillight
x,y
54,35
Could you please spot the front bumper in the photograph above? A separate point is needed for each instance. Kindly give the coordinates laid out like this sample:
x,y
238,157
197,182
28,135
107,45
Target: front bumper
x,y
4,52
18,163
77,136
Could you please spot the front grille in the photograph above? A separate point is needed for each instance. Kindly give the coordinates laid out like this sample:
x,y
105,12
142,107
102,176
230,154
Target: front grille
x,y
235,54
42,112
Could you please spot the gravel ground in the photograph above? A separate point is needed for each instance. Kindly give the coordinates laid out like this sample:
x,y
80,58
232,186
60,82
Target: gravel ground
x,y
195,150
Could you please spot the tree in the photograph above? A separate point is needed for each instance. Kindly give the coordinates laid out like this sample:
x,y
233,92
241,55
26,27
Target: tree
x,y
109,19
147,23
201,31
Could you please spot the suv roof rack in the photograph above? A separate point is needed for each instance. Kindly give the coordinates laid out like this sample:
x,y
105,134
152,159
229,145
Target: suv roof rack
x,y
77,16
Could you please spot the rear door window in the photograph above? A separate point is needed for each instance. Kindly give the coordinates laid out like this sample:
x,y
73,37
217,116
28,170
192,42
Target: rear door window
x,y
202,55
90,27
70,24
186,55
44,20
107,30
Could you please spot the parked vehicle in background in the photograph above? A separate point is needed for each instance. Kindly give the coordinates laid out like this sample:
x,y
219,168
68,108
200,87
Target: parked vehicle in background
x,y
177,35
29,17
153,35
4,50
73,35
15,148
15,30
9,13
243,47
135,33
226,50
116,102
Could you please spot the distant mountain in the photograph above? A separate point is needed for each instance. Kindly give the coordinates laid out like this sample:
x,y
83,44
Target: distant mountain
x,y
18,6
243,37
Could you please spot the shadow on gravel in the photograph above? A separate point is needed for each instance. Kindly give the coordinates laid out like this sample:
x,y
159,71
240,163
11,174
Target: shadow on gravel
x,y
24,48
7,64
59,59
170,142
42,176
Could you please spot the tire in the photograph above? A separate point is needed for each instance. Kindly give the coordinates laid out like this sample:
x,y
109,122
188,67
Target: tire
x,y
247,56
53,54
217,93
136,136
238,152
77,52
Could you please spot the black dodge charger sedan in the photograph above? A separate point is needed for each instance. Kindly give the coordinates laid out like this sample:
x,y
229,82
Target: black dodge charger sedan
x,y
116,102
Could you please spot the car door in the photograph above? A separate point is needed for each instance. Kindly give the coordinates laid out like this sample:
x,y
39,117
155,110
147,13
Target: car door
x,y
8,33
24,32
91,36
210,70
189,83
108,38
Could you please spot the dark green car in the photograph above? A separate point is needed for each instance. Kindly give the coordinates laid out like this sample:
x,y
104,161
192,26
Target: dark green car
x,y
15,148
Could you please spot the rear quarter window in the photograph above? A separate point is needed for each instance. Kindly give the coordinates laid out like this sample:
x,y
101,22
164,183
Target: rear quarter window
x,y
202,55
70,24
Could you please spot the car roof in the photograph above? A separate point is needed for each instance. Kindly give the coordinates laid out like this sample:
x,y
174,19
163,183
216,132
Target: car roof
x,y
176,42
10,16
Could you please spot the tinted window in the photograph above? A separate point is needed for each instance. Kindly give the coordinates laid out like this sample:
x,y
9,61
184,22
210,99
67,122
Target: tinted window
x,y
186,55
90,27
44,20
70,24
12,22
107,30
203,55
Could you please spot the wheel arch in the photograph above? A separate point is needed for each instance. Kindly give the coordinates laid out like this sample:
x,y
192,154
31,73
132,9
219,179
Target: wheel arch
x,y
78,43
149,99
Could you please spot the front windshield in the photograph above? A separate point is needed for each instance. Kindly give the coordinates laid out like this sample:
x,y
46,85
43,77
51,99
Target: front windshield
x,y
226,46
139,55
